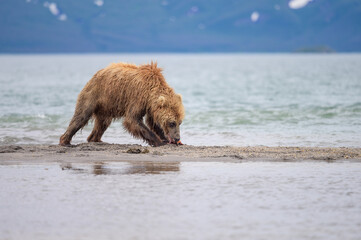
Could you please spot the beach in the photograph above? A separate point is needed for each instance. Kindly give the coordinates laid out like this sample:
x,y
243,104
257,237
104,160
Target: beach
x,y
94,152
120,191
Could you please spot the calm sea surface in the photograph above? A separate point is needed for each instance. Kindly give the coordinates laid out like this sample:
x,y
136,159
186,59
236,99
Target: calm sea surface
x,y
188,200
230,99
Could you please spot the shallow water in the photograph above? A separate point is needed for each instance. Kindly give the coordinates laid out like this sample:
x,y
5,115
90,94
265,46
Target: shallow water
x,y
230,99
181,200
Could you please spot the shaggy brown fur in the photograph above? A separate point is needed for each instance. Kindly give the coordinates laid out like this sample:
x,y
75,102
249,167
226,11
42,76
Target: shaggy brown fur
x,y
130,92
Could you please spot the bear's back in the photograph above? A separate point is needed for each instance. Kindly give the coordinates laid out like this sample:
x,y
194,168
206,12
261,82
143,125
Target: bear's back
x,y
122,65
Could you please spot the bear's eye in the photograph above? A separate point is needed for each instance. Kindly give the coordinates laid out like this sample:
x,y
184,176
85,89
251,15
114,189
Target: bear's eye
x,y
172,124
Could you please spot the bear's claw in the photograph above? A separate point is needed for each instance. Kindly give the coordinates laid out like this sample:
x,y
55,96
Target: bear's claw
x,y
176,143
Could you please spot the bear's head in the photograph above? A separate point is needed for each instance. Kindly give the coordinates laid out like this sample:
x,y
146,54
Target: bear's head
x,y
169,116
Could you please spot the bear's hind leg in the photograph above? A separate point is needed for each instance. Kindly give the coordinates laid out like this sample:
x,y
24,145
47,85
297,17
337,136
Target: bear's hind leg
x,y
139,130
79,120
101,124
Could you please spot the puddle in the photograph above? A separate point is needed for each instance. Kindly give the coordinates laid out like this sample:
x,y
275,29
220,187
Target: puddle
x,y
187,200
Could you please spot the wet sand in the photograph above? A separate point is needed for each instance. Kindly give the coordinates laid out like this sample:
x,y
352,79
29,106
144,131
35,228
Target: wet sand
x,y
277,200
94,152
112,191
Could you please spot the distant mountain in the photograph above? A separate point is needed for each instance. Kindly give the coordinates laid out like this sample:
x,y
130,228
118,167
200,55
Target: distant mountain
x,y
315,49
39,26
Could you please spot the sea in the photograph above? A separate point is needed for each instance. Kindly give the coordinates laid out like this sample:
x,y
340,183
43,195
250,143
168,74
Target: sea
x,y
310,100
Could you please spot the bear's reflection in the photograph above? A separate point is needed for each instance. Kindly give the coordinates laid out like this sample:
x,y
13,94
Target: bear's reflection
x,y
124,168
151,168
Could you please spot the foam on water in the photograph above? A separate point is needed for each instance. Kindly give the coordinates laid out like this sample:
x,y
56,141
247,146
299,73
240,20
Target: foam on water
x,y
230,99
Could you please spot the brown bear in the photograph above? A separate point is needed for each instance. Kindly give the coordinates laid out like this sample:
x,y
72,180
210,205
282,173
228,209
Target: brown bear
x,y
130,92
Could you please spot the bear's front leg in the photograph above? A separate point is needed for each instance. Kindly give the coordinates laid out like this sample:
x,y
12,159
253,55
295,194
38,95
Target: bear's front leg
x,y
138,129
155,128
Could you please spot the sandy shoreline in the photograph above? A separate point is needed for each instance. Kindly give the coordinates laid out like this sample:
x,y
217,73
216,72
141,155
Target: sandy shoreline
x,y
95,152
113,191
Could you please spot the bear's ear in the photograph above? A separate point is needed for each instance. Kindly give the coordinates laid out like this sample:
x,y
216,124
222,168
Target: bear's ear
x,y
179,96
161,100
